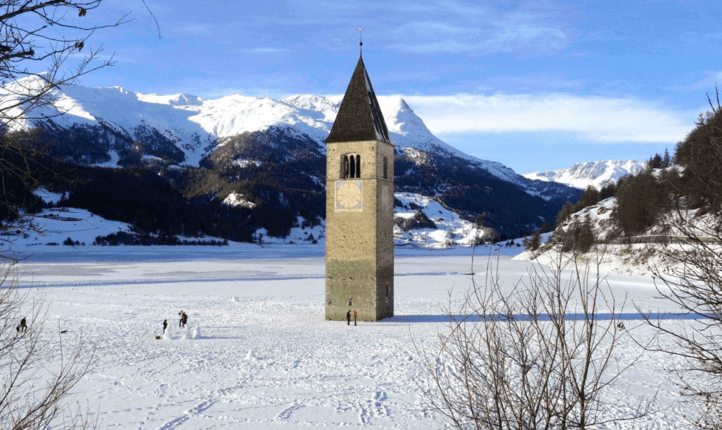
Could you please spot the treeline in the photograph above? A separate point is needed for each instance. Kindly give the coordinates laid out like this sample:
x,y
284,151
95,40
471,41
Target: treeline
x,y
163,202
123,238
591,197
279,174
659,161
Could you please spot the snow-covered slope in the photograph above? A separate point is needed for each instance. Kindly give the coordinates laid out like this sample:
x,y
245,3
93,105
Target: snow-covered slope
x,y
451,229
596,173
187,120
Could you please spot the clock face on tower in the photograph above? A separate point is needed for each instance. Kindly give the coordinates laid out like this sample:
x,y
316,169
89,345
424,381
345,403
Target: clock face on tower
x,y
349,196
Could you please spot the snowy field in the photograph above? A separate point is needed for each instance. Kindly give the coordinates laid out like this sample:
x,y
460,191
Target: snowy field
x,y
257,352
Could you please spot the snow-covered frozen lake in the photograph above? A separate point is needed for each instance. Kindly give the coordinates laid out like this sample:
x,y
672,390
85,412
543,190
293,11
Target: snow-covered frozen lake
x,y
257,352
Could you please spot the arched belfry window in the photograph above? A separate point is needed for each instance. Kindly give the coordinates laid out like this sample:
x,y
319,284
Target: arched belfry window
x,y
386,167
344,167
350,166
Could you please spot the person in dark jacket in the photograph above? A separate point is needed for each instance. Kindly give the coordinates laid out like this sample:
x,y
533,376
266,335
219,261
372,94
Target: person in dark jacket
x,y
348,317
165,326
183,319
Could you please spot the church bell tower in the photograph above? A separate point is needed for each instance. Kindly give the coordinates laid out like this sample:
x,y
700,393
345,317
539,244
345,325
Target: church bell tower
x,y
359,207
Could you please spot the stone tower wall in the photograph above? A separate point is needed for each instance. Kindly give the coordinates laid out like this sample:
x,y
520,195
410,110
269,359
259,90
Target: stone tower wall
x,y
385,234
359,242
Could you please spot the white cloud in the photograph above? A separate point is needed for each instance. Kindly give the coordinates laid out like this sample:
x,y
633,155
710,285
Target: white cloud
x,y
598,119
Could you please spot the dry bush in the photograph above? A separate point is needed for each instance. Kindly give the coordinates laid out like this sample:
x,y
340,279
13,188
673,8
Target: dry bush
x,y
692,279
538,356
692,275
34,391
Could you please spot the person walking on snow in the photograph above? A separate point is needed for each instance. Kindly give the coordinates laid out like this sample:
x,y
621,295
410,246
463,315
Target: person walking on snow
x,y
183,319
354,317
348,317
165,326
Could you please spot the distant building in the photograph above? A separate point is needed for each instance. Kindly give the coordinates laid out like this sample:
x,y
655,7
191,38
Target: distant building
x,y
359,207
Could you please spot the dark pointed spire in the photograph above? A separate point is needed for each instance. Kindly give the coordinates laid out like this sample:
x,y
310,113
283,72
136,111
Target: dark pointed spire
x,y
359,117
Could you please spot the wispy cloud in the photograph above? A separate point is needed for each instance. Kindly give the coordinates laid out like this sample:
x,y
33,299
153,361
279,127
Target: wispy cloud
x,y
535,83
266,50
708,82
597,119
525,30
192,29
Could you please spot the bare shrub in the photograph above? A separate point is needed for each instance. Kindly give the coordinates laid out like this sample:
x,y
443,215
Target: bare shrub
x,y
33,391
692,275
537,356
693,281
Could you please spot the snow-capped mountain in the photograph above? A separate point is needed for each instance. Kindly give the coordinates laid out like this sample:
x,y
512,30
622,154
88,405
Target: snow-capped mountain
x,y
596,173
185,120
270,151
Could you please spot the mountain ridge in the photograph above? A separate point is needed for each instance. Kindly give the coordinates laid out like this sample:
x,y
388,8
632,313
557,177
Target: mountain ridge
x,y
270,151
185,118
594,173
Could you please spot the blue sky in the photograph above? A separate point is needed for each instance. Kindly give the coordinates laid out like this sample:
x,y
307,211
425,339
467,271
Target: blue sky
x,y
536,85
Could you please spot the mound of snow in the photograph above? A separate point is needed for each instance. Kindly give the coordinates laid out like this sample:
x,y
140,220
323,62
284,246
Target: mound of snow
x,y
235,199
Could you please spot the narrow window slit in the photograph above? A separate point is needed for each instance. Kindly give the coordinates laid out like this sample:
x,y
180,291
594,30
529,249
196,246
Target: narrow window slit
x,y
344,167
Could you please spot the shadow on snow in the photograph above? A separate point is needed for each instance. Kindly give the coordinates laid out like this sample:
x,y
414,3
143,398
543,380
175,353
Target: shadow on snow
x,y
543,317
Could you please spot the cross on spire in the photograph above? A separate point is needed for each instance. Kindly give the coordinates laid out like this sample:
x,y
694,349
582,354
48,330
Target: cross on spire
x,y
360,40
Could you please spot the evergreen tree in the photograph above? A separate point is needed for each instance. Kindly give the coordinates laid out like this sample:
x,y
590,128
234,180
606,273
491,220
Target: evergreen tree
x,y
607,191
590,198
533,242
666,160
566,212
640,201
701,156
655,162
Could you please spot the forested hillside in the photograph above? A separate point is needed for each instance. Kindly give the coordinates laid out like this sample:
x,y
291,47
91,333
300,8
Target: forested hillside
x,y
181,165
677,196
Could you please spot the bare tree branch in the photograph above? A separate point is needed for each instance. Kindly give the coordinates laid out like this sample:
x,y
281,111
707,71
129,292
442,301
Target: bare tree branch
x,y
537,356
34,393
